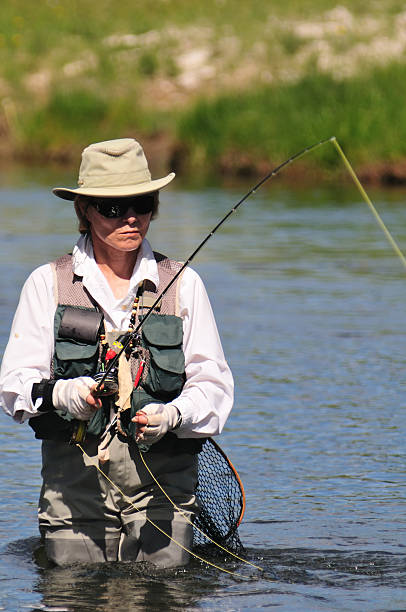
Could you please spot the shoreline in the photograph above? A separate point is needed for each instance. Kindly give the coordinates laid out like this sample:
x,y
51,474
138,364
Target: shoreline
x,y
166,155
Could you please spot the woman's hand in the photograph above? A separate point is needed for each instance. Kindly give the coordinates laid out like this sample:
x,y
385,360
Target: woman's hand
x,y
154,421
77,396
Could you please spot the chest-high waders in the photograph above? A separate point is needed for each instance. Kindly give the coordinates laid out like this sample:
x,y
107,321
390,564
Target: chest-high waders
x,y
81,517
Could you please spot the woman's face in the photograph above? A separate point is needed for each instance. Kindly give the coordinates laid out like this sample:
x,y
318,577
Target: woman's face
x,y
124,233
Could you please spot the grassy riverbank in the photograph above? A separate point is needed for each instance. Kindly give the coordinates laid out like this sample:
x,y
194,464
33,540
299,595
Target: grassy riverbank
x,y
365,113
218,85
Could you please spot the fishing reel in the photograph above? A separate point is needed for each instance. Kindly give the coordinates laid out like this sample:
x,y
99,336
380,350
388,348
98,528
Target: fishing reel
x,y
108,383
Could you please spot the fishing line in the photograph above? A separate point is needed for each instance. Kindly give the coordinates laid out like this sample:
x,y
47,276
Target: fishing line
x,y
187,519
368,201
128,500
267,177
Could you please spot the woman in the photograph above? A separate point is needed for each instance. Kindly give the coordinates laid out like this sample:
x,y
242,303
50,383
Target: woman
x,y
174,386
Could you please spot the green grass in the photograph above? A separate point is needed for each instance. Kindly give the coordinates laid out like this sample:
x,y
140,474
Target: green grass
x,y
72,119
36,26
63,84
366,115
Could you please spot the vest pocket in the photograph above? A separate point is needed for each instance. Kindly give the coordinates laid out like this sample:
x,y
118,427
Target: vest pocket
x,y
73,358
163,336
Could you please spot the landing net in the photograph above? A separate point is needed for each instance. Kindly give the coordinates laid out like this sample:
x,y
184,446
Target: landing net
x,y
222,500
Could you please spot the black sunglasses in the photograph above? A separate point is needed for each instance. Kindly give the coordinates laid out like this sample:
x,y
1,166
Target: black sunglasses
x,y
113,208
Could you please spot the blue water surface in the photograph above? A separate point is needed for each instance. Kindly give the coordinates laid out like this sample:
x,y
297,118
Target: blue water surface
x,y
309,299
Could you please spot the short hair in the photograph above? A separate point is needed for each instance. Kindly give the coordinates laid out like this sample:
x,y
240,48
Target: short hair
x,y
84,225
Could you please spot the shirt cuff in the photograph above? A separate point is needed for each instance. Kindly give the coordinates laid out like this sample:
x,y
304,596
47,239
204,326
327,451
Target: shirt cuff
x,y
195,423
186,409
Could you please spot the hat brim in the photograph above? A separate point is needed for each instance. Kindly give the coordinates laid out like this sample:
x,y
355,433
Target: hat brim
x,y
114,192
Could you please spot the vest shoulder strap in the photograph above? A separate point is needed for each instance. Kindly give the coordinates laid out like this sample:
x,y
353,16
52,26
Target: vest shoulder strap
x,y
167,269
69,288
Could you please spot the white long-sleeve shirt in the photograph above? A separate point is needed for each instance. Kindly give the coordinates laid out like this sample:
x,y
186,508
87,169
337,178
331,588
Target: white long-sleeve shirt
x,y
207,396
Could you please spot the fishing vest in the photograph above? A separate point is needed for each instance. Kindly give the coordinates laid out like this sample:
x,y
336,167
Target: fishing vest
x,y
160,347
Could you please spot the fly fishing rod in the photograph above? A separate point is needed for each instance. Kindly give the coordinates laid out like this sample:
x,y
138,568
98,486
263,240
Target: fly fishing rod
x,y
126,341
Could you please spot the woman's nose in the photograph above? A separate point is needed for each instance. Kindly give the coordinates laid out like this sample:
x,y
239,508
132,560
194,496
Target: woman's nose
x,y
130,214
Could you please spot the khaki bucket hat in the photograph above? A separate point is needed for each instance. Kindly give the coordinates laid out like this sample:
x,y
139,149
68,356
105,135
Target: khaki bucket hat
x,y
114,168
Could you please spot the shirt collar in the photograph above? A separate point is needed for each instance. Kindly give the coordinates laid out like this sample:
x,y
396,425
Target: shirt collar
x,y
84,263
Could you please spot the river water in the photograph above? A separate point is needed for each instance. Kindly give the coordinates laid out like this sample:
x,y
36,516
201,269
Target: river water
x,y
309,300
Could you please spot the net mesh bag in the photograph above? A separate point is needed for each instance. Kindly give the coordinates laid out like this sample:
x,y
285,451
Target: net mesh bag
x,y
222,500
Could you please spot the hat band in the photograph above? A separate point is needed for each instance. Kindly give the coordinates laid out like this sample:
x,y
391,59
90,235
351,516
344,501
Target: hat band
x,y
116,180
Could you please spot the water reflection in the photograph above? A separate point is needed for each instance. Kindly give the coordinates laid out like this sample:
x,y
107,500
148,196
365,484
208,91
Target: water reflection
x,y
306,577
119,586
